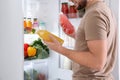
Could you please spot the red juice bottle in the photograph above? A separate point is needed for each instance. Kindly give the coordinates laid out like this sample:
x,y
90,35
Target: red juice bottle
x,y
64,8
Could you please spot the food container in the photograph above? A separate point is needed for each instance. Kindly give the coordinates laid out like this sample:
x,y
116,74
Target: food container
x,y
72,12
64,8
40,70
36,70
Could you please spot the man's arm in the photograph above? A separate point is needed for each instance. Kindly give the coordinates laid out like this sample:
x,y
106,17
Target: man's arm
x,y
94,58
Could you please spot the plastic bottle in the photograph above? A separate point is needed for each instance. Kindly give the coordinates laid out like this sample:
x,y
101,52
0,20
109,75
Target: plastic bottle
x,y
44,34
29,23
42,25
35,24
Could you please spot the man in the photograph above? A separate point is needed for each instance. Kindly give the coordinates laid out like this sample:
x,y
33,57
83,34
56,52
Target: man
x,y
95,42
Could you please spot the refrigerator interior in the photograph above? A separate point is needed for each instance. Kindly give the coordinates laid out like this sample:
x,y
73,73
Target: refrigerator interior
x,y
56,67
48,12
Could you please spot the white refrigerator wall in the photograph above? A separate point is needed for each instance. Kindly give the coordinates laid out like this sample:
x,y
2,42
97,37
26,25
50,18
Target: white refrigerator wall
x,y
11,40
45,10
114,5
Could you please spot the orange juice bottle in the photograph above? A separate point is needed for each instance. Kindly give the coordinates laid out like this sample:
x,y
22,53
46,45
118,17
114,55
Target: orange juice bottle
x,y
29,23
44,34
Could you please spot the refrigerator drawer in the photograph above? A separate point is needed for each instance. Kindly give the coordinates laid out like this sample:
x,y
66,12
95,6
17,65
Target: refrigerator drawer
x,y
36,69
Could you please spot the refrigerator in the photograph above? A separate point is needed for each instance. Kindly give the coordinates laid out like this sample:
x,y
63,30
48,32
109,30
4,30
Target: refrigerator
x,y
12,38
47,12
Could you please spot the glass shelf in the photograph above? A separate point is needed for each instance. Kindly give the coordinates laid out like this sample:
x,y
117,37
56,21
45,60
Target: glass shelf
x,y
35,61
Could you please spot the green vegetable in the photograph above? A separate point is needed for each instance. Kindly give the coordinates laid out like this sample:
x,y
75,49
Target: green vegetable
x,y
42,49
43,54
33,30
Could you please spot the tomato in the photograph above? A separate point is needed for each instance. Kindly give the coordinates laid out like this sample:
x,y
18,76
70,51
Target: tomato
x,y
31,51
25,49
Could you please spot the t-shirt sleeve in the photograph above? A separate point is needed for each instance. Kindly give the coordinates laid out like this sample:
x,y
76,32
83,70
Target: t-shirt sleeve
x,y
95,26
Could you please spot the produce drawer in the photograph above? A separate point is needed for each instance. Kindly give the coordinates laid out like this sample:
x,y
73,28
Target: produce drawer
x,y
36,70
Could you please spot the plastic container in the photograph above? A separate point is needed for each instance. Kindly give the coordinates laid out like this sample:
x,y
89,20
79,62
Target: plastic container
x,y
40,70
44,34
68,28
28,71
36,70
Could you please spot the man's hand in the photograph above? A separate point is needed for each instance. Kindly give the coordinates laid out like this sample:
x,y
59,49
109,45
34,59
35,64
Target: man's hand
x,y
54,45
66,25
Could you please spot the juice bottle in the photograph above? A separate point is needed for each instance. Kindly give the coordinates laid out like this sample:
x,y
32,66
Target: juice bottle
x,y
44,34
29,26
29,23
25,24
35,25
42,25
68,28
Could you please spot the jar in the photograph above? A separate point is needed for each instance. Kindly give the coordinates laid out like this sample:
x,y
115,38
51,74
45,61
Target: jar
x,y
65,8
72,12
72,9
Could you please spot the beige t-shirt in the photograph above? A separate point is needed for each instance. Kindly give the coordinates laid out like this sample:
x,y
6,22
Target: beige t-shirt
x,y
98,23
